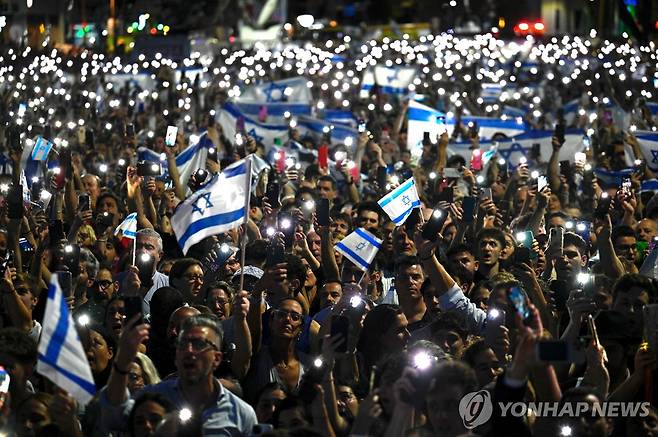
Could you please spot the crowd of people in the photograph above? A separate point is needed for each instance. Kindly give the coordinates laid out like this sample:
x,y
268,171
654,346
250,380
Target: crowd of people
x,y
488,285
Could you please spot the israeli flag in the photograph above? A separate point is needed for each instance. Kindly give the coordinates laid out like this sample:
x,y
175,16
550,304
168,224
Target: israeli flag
x,y
220,206
264,133
649,146
340,116
41,149
340,134
275,111
128,227
491,92
570,111
391,80
399,202
188,161
360,247
62,358
279,91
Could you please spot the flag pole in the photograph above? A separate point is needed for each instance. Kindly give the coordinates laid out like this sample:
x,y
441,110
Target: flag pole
x,y
243,243
362,278
134,249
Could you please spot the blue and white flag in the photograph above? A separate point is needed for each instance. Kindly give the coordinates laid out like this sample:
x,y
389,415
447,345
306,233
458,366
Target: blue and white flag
x,y
41,149
218,207
649,146
340,116
360,247
491,92
62,359
398,203
279,91
188,161
128,227
391,80
340,134
264,133
275,111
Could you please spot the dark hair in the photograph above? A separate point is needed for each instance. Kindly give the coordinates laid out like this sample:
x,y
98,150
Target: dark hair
x,y
328,178
164,302
374,325
18,344
205,321
312,172
473,350
255,253
406,261
142,399
557,214
222,285
289,403
459,248
630,280
449,321
494,233
295,269
455,373
181,265
105,194
369,206
622,231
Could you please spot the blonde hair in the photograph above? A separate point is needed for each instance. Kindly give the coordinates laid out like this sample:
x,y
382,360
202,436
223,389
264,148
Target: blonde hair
x,y
149,372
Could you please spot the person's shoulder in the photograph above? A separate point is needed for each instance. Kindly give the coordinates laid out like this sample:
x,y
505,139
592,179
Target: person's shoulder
x,y
159,276
240,404
166,386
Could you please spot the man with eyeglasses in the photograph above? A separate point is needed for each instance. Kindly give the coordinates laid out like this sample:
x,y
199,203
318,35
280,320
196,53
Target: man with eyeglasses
x,y
99,294
195,387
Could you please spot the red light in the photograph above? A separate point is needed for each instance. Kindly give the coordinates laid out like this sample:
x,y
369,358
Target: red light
x,y
231,39
153,31
539,26
524,26
656,25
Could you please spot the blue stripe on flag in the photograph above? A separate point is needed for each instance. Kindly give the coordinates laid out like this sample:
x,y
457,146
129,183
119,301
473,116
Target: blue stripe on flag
x,y
402,216
235,112
59,336
352,254
275,109
237,171
87,386
367,237
386,89
396,193
209,222
420,114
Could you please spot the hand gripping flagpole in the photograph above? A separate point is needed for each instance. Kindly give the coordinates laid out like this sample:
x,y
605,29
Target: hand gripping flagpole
x,y
243,243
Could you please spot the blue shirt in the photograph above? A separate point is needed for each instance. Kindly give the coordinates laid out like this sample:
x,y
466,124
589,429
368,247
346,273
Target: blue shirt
x,y
229,416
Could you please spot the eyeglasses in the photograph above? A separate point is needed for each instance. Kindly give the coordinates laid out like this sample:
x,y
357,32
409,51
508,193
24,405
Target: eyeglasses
x,y
192,278
104,283
135,376
198,344
217,301
283,314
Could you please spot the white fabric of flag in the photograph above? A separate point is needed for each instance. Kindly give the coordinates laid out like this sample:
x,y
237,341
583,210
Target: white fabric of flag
x,y
128,227
290,90
264,133
391,80
399,203
649,146
41,149
360,247
62,358
220,206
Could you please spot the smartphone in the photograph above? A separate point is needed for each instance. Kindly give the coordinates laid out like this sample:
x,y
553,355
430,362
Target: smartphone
x,y
83,202
381,178
495,319
275,254
130,130
525,239
146,265
451,173
565,169
517,298
542,182
4,386
554,351
476,159
90,141
603,207
65,282
281,161
133,306
212,154
559,132
340,325
286,224
556,238
323,212
4,264
362,126
560,293
592,329
147,168
469,204
485,193
521,255
323,156
170,137
105,219
15,202
434,224
261,429
446,195
412,221
272,194
473,129
426,138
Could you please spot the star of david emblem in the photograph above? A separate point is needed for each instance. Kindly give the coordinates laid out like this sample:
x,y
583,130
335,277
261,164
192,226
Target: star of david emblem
x,y
515,147
654,155
393,76
406,200
359,247
197,208
275,93
252,133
